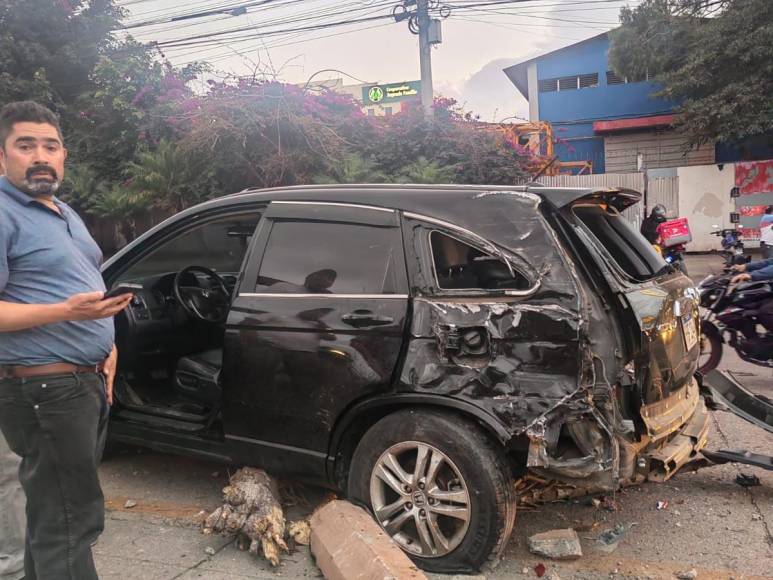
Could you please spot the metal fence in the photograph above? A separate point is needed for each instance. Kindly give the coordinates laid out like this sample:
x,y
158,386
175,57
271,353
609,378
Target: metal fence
x,y
664,190
635,181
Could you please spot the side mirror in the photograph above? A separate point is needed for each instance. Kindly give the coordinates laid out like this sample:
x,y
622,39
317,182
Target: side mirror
x,y
735,192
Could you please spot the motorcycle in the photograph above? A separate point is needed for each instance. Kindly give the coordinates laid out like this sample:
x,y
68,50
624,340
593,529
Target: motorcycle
x,y
732,246
731,317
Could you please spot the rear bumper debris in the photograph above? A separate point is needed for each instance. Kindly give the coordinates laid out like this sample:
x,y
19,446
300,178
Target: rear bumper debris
x,y
718,457
682,448
726,394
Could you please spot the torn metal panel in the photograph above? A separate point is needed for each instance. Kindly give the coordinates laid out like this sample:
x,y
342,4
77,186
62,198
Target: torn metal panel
x,y
578,446
527,360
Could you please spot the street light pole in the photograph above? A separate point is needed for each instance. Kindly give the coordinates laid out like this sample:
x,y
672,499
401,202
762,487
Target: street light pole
x,y
425,22
425,56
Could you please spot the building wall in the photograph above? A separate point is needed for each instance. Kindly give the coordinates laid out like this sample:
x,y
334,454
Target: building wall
x,y
663,148
577,142
601,102
754,180
704,199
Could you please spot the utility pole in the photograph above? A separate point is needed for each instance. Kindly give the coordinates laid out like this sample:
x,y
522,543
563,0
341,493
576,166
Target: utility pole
x,y
425,56
422,22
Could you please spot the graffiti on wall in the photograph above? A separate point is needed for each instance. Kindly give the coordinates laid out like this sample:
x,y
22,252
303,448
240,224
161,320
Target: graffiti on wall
x,y
753,178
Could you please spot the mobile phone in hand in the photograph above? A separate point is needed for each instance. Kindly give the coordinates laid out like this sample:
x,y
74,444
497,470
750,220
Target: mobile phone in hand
x,y
122,288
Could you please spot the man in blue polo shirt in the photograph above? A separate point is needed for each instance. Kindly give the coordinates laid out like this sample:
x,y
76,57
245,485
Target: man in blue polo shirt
x,y
57,356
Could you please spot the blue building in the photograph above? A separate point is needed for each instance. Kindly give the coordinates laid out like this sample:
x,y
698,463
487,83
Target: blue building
x,y
597,116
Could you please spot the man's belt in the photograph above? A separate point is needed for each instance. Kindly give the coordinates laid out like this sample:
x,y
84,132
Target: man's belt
x,y
22,372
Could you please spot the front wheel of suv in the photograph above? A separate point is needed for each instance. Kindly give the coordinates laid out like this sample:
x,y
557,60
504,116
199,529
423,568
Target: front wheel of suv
x,y
438,486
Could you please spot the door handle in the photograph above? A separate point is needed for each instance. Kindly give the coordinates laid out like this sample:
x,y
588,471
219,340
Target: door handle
x,y
366,318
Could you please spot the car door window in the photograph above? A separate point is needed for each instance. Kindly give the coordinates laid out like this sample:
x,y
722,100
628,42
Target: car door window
x,y
329,258
219,245
460,266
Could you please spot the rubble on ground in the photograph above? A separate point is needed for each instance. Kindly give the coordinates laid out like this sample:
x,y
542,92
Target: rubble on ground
x,y
300,532
556,544
608,539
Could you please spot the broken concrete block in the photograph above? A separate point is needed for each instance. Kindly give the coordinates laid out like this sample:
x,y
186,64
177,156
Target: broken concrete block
x,y
556,544
347,543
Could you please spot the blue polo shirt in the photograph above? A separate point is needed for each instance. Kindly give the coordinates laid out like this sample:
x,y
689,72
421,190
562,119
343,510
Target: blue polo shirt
x,y
45,258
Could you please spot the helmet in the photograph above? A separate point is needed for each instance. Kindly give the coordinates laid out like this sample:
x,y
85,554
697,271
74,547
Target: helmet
x,y
659,212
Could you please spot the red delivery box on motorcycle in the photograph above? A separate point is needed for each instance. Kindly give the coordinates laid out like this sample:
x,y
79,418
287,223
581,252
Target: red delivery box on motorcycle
x,y
675,232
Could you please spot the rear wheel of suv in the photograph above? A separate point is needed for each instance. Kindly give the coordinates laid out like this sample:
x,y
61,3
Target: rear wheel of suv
x,y
438,486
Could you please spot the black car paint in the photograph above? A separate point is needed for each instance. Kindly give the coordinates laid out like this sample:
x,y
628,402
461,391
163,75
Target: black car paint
x,y
552,356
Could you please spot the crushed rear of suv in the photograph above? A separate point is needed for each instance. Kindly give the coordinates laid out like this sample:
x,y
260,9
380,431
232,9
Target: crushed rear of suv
x,y
418,347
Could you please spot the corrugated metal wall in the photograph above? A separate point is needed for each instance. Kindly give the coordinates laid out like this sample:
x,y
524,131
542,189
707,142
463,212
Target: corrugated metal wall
x,y
629,180
660,149
664,190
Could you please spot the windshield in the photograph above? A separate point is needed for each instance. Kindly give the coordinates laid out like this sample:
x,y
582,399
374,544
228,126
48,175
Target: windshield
x,y
620,240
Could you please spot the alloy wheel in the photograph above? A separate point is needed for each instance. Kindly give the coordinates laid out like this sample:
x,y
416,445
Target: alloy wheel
x,y
419,497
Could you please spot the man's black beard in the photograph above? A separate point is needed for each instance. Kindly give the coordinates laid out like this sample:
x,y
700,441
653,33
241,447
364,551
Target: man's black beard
x,y
36,187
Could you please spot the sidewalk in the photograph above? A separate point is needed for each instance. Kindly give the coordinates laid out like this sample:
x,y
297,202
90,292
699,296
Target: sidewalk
x,y
135,547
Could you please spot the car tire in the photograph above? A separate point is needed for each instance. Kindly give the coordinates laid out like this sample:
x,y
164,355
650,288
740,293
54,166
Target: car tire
x,y
459,458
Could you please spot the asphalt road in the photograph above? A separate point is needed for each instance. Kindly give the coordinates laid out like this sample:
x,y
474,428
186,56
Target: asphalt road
x,y
711,524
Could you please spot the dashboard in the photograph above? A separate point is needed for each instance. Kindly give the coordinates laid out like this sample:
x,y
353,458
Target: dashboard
x,y
155,323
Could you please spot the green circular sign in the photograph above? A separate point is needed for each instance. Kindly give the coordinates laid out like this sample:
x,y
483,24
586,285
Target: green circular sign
x,y
376,94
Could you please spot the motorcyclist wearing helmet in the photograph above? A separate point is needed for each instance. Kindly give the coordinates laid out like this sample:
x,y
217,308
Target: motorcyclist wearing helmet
x,y
649,227
753,271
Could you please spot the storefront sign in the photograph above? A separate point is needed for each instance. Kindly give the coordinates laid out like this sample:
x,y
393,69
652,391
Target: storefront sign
x,y
391,93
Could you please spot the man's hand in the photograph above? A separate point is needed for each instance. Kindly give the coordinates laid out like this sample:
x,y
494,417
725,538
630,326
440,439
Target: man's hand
x,y
92,306
738,278
108,369
87,306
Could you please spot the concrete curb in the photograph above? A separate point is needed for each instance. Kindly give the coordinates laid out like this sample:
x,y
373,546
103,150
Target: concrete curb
x,y
348,544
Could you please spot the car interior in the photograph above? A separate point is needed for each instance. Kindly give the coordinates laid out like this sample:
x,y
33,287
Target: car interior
x,y
460,266
170,338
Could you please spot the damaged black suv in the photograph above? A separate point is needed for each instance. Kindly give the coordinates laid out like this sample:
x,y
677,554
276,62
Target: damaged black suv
x,y
416,347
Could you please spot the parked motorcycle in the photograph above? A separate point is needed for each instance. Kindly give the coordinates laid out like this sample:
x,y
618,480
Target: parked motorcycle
x,y
732,318
732,246
675,255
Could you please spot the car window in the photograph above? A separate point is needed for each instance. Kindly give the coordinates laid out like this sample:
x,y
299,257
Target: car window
x,y
617,237
219,245
459,266
329,258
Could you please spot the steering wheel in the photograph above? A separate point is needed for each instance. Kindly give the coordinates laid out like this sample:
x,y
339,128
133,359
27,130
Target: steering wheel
x,y
206,304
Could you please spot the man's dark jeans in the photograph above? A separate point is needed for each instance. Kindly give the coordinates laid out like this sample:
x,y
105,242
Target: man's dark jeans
x,y
58,424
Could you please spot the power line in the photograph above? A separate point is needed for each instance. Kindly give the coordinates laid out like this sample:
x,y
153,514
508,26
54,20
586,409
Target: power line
x,y
234,10
187,41
321,12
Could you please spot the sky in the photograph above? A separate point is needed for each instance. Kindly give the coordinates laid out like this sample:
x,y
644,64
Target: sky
x,y
477,44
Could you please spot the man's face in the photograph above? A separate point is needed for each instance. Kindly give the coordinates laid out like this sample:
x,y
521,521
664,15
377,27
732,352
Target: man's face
x,y
33,158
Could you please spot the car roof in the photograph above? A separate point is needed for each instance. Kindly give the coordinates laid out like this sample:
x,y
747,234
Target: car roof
x,y
499,214
413,197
